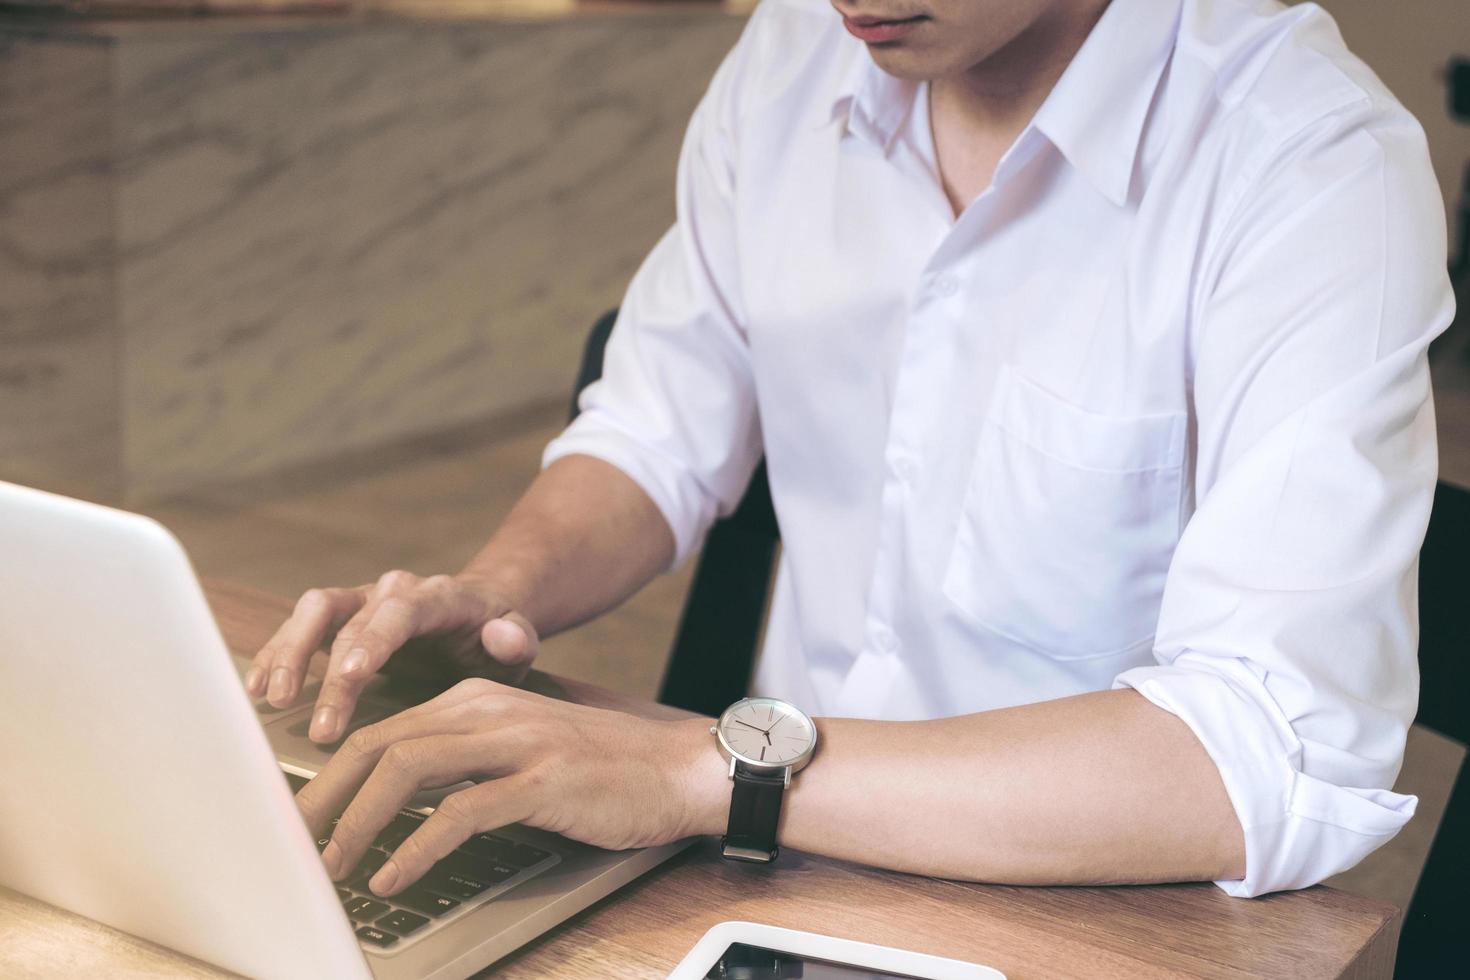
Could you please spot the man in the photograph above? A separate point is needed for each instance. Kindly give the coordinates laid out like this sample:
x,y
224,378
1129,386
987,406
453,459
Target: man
x,y
1085,342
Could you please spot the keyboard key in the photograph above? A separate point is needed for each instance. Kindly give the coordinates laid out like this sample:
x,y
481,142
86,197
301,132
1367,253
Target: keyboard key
x,y
376,937
372,860
398,830
476,867
496,849
364,909
504,851
402,923
525,855
458,885
321,843
409,820
421,899
454,885
343,894
389,839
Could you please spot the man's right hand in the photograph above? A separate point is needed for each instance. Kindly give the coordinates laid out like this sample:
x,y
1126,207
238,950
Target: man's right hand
x,y
442,626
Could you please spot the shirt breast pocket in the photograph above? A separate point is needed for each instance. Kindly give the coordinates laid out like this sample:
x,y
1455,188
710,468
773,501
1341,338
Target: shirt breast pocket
x,y
1068,525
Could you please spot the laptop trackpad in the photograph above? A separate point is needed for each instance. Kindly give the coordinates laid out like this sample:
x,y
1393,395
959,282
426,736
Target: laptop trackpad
x,y
288,730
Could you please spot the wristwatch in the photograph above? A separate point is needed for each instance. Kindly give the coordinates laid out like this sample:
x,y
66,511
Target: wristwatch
x,y
766,741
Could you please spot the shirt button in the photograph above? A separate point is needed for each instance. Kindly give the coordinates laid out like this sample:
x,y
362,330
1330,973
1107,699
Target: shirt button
x,y
903,467
945,286
885,640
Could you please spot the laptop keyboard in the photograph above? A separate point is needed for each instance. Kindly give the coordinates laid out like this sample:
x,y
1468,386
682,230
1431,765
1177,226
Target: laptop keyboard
x,y
485,867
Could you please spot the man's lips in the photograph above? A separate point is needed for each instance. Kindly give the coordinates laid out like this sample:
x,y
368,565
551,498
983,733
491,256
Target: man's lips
x,y
875,30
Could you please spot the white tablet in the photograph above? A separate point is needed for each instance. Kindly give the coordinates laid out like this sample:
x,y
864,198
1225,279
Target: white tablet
x,y
748,951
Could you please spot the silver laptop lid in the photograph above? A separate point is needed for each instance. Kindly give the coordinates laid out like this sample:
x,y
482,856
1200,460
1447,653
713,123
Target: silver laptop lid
x,y
138,788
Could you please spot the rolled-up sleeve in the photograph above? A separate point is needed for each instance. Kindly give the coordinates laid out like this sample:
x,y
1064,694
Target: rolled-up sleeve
x,y
675,407
1287,639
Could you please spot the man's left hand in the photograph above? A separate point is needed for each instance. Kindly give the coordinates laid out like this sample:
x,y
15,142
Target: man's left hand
x,y
602,777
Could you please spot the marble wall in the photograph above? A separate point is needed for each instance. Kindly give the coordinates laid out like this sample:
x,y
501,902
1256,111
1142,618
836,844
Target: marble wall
x,y
58,342
230,246
256,248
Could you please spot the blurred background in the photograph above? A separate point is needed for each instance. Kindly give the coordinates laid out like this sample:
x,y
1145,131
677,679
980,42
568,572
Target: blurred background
x,y
308,280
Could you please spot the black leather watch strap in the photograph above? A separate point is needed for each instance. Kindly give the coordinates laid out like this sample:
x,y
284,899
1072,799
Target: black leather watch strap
x,y
755,812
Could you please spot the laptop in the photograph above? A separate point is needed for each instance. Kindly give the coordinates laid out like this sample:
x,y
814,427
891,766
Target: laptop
x,y
142,787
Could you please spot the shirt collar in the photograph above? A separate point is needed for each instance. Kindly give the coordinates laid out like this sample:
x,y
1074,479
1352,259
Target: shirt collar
x,y
1096,112
1094,115
872,103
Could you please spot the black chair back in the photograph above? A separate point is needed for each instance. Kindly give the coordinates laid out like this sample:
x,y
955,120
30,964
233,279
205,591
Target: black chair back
x,y
720,628
1436,935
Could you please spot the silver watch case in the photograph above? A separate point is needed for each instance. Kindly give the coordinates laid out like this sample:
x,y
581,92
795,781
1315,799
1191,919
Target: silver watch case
x,y
755,765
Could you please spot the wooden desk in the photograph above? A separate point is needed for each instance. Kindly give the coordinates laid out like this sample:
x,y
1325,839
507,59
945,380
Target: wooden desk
x,y
642,931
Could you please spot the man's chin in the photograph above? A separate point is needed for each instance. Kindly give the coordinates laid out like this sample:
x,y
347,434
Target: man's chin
x,y
908,63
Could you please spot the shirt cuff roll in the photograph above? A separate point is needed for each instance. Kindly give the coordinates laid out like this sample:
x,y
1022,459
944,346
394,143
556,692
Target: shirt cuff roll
x,y
1298,829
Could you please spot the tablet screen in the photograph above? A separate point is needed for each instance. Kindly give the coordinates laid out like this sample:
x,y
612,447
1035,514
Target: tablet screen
x,y
742,962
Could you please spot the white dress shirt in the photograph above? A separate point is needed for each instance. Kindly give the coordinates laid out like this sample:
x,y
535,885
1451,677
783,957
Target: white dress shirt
x,y
1153,412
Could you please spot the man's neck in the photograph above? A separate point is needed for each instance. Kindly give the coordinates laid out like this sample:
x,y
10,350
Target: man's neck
x,y
978,113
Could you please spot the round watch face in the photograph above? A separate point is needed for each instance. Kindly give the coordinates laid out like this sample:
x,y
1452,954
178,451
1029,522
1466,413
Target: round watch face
x,y
767,732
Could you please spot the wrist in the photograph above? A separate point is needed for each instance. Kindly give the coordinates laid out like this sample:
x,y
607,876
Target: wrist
x,y
501,590
703,780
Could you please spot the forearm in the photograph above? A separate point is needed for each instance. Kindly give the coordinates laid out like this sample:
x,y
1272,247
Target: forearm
x,y
1102,787
581,539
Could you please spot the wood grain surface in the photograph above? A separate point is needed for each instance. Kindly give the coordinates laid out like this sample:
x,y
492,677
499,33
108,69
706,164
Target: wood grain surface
x,y
642,931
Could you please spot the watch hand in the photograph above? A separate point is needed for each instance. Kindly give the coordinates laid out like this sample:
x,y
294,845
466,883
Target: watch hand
x,y
751,727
